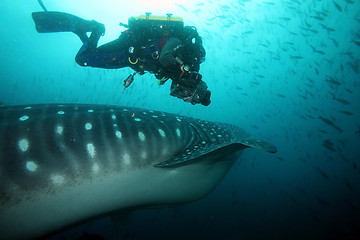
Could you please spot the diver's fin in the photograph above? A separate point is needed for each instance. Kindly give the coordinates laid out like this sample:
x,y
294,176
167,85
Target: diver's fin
x,y
47,22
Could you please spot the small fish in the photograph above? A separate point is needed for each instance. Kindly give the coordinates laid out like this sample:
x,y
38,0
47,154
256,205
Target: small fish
x,y
356,42
318,18
329,145
292,198
323,202
181,6
346,112
302,160
354,66
353,207
285,18
335,42
320,52
343,101
263,44
317,51
290,43
327,28
344,158
323,131
332,81
270,3
303,192
316,71
337,5
347,184
330,123
315,218
322,173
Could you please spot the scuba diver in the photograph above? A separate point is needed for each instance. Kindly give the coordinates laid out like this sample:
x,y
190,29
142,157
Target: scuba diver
x,y
159,45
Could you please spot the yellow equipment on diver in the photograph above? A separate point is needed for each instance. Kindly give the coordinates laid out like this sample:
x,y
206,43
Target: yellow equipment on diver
x,y
157,26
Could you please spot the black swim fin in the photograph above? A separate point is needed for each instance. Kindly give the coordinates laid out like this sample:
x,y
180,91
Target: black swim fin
x,y
49,22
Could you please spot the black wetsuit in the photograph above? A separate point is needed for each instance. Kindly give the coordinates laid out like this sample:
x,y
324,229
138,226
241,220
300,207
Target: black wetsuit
x,y
116,54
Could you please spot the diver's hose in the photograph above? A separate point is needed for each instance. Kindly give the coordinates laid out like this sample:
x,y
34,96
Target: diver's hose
x,y
42,5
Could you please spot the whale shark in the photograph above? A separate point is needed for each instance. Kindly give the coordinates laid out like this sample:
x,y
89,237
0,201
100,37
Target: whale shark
x,y
65,164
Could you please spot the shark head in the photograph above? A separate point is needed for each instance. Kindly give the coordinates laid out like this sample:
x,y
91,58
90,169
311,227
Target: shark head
x,y
65,164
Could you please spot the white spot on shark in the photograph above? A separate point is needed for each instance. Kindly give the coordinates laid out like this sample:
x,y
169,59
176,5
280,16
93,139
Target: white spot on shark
x,y
95,168
178,132
31,166
219,136
178,119
137,119
143,155
91,149
59,129
126,158
162,133
57,179
90,111
24,118
27,108
113,116
141,136
61,112
118,134
154,116
88,126
23,145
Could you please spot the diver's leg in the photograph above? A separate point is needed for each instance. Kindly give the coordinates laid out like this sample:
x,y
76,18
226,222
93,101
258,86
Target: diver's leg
x,y
111,55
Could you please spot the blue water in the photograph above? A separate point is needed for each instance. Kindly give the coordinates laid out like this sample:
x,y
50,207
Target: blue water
x,y
285,71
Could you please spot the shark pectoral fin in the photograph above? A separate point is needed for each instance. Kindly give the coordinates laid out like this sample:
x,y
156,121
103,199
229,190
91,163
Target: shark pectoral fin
x,y
259,144
195,153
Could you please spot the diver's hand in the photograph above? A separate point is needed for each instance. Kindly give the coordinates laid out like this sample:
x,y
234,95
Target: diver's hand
x,y
190,79
195,95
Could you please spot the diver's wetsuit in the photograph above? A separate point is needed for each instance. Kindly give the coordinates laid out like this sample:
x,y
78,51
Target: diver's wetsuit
x,y
116,54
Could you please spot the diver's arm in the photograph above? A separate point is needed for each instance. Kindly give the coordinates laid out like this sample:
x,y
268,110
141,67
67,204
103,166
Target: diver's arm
x,y
168,53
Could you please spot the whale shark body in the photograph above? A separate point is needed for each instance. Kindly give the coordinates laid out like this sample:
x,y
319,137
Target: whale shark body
x,y
65,164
